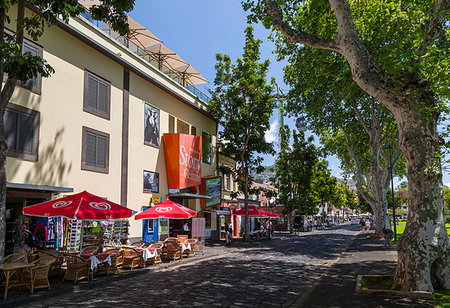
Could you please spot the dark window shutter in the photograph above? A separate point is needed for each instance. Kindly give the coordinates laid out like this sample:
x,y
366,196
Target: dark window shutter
x,y
102,97
26,133
92,92
10,121
91,149
27,48
101,151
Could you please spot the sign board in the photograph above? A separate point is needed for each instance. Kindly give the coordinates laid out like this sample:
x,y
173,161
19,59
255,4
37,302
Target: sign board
x,y
182,238
156,200
183,160
198,227
211,187
163,225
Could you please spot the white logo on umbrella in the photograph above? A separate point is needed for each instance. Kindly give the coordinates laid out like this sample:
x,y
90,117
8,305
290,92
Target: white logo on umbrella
x,y
103,206
163,209
61,204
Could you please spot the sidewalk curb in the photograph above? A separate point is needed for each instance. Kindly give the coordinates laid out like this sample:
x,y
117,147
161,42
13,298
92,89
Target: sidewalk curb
x,y
300,301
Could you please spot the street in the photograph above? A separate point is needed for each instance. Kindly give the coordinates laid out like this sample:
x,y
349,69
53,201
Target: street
x,y
263,274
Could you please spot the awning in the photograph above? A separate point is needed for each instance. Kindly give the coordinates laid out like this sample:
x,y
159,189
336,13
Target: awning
x,y
223,212
39,187
188,196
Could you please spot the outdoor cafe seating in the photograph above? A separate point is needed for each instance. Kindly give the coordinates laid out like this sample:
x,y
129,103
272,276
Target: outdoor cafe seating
x,y
37,276
77,268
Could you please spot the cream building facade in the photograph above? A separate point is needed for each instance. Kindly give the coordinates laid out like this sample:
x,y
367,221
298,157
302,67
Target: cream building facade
x,y
88,120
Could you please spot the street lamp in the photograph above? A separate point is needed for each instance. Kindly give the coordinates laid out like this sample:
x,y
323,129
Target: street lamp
x,y
388,146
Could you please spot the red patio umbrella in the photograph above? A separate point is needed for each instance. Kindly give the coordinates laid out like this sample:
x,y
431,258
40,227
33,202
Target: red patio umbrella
x,y
268,214
81,206
167,209
253,212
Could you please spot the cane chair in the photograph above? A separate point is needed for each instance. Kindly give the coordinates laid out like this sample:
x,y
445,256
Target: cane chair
x,y
173,250
140,244
159,252
132,258
90,249
77,268
116,260
37,277
15,257
55,267
191,252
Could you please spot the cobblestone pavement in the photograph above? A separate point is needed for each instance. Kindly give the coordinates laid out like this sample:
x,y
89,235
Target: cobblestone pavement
x,y
262,274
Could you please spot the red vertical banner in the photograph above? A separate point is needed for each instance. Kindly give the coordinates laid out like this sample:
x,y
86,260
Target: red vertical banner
x,y
183,160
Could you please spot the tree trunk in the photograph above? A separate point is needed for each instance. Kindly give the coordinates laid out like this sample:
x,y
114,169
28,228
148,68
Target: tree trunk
x,y
247,229
6,93
423,249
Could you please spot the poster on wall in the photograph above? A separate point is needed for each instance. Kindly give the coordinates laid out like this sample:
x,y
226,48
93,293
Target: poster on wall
x,y
163,225
151,126
213,191
151,181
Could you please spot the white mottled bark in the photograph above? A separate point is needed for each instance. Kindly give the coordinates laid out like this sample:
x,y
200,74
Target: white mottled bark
x,y
424,249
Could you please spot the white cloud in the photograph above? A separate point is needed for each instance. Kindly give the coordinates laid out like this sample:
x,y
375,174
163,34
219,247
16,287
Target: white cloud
x,y
272,134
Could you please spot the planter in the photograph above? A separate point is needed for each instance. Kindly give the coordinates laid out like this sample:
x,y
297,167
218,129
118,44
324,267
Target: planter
x,y
360,290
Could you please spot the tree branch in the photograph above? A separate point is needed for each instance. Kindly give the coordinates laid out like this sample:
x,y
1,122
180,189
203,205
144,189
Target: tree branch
x,y
358,173
434,25
361,120
293,35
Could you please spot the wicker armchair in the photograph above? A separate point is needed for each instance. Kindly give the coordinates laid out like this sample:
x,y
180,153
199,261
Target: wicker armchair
x,y
15,257
116,260
77,268
37,276
90,249
159,251
191,252
172,250
55,267
132,258
141,244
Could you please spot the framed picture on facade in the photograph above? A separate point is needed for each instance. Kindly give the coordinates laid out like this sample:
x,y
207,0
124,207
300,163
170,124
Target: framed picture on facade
x,y
151,181
151,125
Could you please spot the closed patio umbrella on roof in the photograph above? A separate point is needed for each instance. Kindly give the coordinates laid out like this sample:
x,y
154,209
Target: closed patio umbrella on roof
x,y
140,36
190,75
89,3
165,56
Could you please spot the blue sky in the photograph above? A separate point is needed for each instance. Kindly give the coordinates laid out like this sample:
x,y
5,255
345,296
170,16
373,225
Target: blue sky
x,y
197,30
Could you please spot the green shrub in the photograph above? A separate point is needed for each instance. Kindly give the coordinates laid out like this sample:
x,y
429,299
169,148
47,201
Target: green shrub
x,y
447,219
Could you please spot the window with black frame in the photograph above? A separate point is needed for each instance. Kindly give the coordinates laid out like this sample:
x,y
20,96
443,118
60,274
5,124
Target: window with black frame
x,y
22,132
95,156
206,148
97,95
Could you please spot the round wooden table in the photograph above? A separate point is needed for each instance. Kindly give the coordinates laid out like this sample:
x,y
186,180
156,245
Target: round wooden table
x,y
9,269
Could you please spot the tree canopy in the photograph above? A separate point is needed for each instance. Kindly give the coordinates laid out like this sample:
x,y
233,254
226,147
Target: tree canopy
x,y
242,102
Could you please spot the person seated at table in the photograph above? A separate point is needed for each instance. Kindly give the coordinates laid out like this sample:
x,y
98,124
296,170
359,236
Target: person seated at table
x,y
26,242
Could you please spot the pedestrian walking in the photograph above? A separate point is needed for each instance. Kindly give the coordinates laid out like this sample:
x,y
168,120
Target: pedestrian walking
x,y
362,224
227,234
186,229
388,236
368,225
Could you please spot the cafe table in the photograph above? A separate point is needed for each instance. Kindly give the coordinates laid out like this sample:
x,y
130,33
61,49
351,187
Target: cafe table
x,y
15,268
96,259
147,252
184,246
